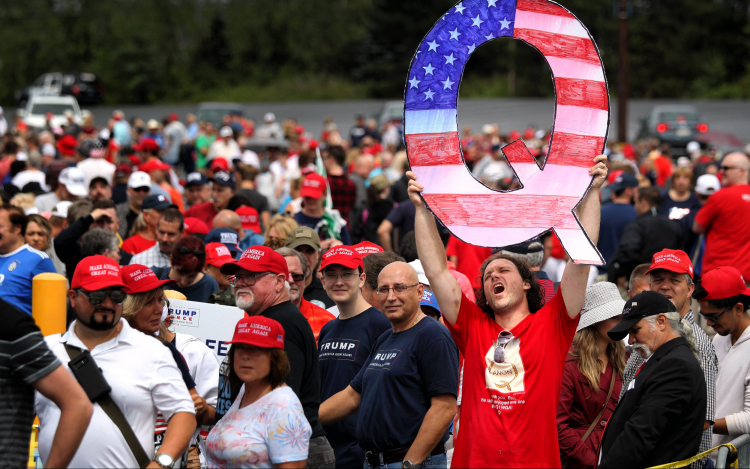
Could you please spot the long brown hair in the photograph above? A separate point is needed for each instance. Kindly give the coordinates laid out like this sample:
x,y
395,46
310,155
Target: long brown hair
x,y
586,350
534,295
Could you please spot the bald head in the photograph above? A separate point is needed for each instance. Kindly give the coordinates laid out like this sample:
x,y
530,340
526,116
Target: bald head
x,y
400,270
736,169
228,219
363,165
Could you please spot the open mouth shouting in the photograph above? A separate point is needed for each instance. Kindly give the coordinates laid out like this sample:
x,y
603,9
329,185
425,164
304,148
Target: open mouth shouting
x,y
498,288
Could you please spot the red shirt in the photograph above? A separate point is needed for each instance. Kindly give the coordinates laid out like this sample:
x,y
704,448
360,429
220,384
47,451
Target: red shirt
x,y
136,244
508,408
204,212
725,217
470,258
316,316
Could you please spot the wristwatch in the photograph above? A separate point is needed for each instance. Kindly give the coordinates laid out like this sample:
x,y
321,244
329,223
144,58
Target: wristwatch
x,y
164,460
406,464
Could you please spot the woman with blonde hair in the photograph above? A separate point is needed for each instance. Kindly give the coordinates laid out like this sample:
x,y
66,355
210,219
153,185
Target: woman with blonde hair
x,y
278,229
38,233
592,378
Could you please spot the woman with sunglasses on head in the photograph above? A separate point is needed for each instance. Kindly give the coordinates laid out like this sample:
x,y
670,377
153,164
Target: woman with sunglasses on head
x,y
592,378
188,259
278,228
265,426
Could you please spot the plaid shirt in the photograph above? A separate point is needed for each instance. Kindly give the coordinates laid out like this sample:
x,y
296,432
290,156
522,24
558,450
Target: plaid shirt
x,y
152,257
343,194
710,365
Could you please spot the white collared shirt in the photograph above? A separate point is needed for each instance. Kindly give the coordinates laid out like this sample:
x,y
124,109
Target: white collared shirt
x,y
144,379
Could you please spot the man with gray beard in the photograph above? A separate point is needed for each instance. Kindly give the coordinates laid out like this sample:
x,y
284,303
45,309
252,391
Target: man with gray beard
x,y
660,417
261,284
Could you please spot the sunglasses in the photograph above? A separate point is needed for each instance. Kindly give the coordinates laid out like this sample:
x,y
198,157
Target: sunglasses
x,y
714,319
100,296
298,277
502,340
185,251
248,279
142,189
727,168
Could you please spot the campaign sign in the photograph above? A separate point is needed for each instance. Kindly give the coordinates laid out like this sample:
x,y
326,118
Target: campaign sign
x,y
213,324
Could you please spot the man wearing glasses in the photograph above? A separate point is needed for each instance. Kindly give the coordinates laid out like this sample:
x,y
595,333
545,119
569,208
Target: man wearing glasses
x,y
671,274
724,218
141,372
724,300
260,279
405,393
346,342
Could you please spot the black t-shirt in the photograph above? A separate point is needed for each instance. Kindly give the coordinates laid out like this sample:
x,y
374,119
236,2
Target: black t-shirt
x,y
403,217
344,346
259,201
404,371
316,294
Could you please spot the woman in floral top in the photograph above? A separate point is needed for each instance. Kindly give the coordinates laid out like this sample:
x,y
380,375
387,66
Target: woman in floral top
x,y
265,427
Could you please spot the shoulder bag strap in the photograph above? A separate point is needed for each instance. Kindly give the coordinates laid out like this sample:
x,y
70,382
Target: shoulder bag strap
x,y
115,414
604,407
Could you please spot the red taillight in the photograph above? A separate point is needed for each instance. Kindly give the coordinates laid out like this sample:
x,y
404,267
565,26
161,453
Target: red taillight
x,y
75,89
661,128
702,128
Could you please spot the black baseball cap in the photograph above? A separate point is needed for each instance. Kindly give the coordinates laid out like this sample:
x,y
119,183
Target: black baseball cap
x,y
622,181
199,179
222,178
642,305
157,202
528,247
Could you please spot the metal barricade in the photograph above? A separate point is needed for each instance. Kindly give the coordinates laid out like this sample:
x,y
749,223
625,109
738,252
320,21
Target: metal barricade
x,y
725,458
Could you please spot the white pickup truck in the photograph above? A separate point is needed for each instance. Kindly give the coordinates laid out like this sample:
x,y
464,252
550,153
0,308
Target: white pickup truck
x,y
35,114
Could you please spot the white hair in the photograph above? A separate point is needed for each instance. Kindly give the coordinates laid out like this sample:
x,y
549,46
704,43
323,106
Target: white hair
x,y
680,326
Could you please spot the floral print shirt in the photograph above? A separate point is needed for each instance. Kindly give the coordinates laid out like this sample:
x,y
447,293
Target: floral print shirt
x,y
269,431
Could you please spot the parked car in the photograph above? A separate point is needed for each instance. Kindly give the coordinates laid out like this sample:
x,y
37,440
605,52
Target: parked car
x,y
673,124
392,111
35,113
215,112
84,86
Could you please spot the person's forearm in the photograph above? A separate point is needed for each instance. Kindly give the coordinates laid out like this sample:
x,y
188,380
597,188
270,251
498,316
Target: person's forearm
x,y
339,406
720,427
429,245
589,214
180,430
74,420
385,241
65,242
208,416
433,427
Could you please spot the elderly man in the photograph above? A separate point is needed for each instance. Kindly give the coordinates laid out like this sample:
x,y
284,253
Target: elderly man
x,y
724,218
660,417
511,381
305,240
639,280
406,390
671,274
261,287
169,230
197,189
139,187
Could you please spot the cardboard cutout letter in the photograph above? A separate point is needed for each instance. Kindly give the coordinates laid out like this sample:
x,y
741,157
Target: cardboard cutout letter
x,y
473,212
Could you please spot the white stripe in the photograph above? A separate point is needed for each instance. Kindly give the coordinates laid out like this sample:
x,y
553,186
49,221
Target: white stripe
x,y
581,120
550,23
570,68
431,121
489,237
41,254
579,247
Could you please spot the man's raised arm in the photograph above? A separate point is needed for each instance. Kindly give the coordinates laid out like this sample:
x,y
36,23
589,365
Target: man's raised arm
x,y
432,255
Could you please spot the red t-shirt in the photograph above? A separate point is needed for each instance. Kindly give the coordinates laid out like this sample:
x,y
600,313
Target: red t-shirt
x,y
316,316
136,244
204,212
726,216
508,408
470,258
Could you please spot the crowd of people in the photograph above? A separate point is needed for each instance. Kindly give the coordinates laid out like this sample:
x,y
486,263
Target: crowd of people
x,y
372,337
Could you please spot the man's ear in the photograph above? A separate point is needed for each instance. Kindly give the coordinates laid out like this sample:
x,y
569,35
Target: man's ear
x,y
72,297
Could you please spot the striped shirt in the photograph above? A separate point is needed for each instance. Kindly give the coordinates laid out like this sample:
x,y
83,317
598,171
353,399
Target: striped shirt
x,y
24,359
710,366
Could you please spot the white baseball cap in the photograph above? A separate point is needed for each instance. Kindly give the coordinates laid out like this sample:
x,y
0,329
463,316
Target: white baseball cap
x,y
226,131
48,150
61,209
251,158
269,117
707,184
74,181
693,146
139,179
417,264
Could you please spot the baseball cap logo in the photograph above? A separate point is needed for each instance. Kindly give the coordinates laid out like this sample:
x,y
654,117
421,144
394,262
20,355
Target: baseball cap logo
x,y
310,182
194,177
338,251
223,176
222,251
253,254
229,238
161,198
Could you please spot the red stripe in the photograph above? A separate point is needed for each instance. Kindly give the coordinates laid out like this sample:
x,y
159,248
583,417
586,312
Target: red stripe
x,y
560,45
584,93
517,152
433,149
516,211
542,6
574,150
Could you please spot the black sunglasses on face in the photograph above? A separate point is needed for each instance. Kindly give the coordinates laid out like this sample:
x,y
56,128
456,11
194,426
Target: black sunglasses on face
x,y
100,296
298,277
715,318
142,189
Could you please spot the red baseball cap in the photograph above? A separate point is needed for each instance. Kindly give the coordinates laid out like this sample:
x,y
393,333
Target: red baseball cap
x,y
194,225
723,282
217,254
147,145
67,145
249,218
365,247
96,273
673,260
153,165
313,186
139,278
342,255
258,259
219,164
259,331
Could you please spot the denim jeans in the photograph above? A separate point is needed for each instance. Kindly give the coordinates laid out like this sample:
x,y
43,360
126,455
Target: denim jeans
x,y
432,462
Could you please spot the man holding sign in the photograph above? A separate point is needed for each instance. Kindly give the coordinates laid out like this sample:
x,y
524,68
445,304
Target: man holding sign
x,y
514,349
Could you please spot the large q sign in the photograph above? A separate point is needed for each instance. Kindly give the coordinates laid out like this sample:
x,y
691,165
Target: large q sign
x,y
473,212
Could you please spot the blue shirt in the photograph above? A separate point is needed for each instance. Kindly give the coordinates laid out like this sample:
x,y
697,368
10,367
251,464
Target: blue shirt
x,y
404,371
402,216
312,222
251,239
614,219
17,269
344,346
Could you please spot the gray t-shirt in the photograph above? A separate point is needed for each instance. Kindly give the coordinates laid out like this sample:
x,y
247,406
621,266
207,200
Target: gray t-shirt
x,y
46,202
174,132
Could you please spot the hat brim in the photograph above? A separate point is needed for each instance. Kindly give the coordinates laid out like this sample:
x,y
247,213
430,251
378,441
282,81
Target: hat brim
x,y
257,343
233,248
219,262
163,206
303,241
230,268
77,189
152,285
312,193
671,268
621,329
601,313
349,263
98,285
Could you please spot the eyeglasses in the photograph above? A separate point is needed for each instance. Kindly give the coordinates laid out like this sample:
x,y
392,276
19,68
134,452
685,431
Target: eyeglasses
x,y
298,277
141,189
345,276
397,289
100,296
196,252
727,168
715,318
248,279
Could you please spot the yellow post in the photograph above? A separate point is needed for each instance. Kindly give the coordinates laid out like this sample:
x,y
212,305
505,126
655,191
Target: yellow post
x,y
48,302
